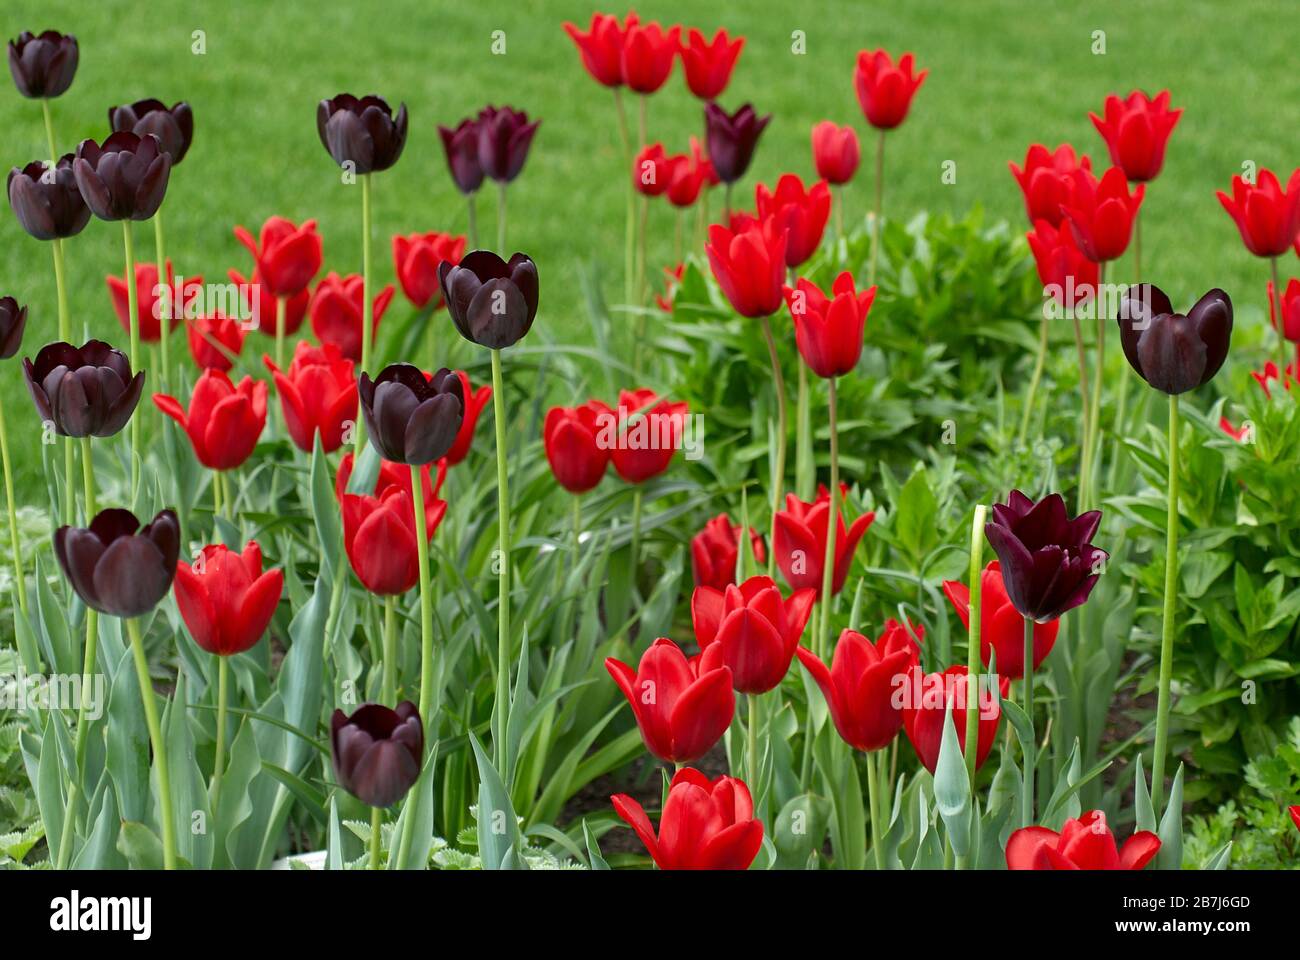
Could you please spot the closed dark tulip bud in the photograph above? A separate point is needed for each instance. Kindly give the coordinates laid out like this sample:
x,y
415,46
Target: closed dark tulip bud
x,y
732,139
86,392
48,203
1049,564
124,178
504,136
412,418
115,566
493,303
461,145
43,65
13,320
1172,352
377,751
363,132
173,126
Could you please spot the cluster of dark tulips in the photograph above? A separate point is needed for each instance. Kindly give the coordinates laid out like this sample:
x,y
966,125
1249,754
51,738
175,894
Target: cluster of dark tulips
x,y
747,628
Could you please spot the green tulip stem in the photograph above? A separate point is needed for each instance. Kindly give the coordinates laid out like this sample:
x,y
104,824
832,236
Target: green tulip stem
x,y
136,358
376,831
778,468
471,202
367,318
219,764
1275,314
389,694
636,532
873,809
577,529
1171,598
1030,749
216,498
280,305
751,739
1034,380
502,712
169,295
147,697
426,600
49,130
629,230
13,514
974,662
65,334
832,528
839,214
501,220
92,617
1084,406
878,210
1094,416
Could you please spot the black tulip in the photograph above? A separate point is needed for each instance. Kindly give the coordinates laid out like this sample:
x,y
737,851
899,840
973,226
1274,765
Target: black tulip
x,y
115,566
412,419
1172,352
377,751
461,145
493,303
362,132
732,139
173,126
504,136
48,202
43,65
124,178
84,392
13,320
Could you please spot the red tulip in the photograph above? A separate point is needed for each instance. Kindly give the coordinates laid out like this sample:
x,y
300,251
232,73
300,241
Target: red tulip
x,y
262,311
1082,844
225,599
682,706
397,476
317,394
859,686
801,540
648,55
1295,815
214,341
716,549
224,421
601,47
705,825
1267,216
1002,628
708,63
286,256
1068,276
379,534
1101,214
1289,322
416,258
885,91
835,152
149,306
475,401
1047,180
649,433
749,265
1136,132
711,178
574,448
802,213
828,331
687,175
925,698
756,628
652,172
672,280
336,312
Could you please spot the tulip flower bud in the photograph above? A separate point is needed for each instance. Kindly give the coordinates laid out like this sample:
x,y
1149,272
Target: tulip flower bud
x,y
1172,352
705,825
1085,843
732,139
570,437
43,65
836,152
828,330
757,629
926,700
224,422
493,303
504,136
411,418
48,203
377,751
117,567
363,133
173,126
318,394
461,145
154,305
800,544
338,313
214,340
885,91
715,551
286,258
802,213
13,321
748,261
124,178
1047,180
648,55
416,259
1266,214
84,392
1002,628
1136,131
601,47
708,63
225,599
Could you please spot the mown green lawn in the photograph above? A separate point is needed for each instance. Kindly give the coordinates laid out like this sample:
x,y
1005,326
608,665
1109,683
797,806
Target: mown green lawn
x,y
1003,74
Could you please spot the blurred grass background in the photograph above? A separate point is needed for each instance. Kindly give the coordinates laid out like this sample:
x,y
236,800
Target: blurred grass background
x,y
1002,75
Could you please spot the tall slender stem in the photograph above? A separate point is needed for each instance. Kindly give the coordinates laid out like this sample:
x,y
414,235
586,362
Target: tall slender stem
x,y
426,599
873,808
367,318
877,213
751,738
1083,403
832,526
1275,314
629,229
65,334
636,531
501,219
49,130
1171,599
577,528
974,651
471,202
279,331
502,712
778,468
1094,417
156,740
170,300
219,763
389,692
1030,748
839,214
136,358
13,512
1034,380
376,831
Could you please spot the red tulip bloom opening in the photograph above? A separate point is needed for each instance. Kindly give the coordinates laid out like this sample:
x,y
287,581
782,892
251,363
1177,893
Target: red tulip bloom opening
x,y
286,257
801,213
1002,628
836,152
1285,316
1082,844
706,824
749,265
648,55
223,422
708,63
225,599
649,433
336,312
416,258
715,551
1101,213
652,172
885,90
925,701
1067,275
601,47
756,628
828,330
801,540
215,342
397,476
379,534
571,437
318,394
1136,131
475,401
1047,180
153,301
259,304
1266,215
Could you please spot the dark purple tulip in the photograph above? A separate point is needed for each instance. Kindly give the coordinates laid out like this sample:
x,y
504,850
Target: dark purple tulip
x,y
411,419
377,751
173,126
115,566
84,393
13,320
461,145
43,65
48,202
504,136
1048,564
732,139
1172,352
363,132
124,178
492,303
